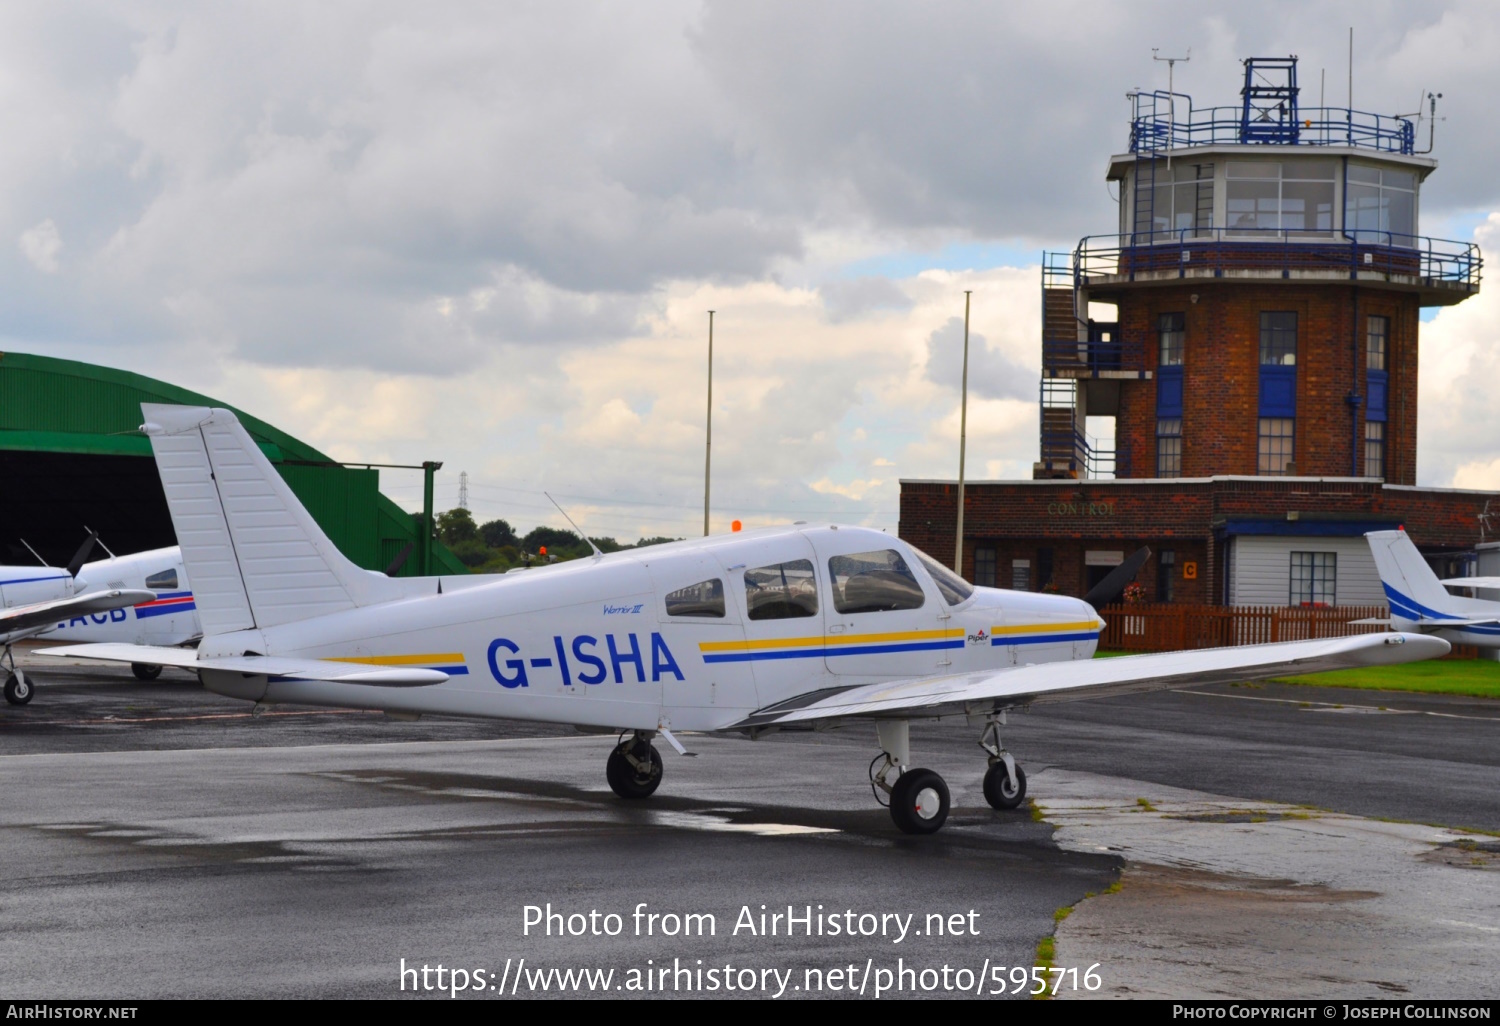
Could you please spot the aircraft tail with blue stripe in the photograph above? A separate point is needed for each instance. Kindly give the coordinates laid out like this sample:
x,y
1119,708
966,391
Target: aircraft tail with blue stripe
x,y
1415,594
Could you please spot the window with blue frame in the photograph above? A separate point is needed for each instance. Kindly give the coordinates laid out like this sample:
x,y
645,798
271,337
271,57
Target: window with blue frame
x,y
1171,343
1377,389
1278,391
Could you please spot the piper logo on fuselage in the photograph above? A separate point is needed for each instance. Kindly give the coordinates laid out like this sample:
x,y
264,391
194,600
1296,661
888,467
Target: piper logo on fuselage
x,y
581,660
979,637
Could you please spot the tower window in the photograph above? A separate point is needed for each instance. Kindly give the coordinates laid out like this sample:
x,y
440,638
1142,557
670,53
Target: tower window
x,y
1276,449
1380,205
1169,447
1314,578
1171,330
1183,200
1374,449
984,566
1269,197
1278,338
1377,342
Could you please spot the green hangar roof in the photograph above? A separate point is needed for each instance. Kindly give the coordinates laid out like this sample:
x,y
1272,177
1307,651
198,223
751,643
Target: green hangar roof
x,y
71,455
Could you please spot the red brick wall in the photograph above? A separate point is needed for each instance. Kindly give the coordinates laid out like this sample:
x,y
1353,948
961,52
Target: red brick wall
x,y
1221,394
1071,517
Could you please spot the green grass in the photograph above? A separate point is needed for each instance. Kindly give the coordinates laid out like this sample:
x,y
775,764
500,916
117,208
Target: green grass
x,y
1477,678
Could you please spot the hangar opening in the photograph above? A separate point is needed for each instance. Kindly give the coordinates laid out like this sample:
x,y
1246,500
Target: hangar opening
x,y
71,456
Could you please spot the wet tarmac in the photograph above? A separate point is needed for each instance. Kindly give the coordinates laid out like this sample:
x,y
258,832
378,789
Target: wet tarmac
x,y
161,841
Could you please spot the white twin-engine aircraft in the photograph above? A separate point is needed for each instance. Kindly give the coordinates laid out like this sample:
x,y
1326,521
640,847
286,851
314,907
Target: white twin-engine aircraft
x,y
751,632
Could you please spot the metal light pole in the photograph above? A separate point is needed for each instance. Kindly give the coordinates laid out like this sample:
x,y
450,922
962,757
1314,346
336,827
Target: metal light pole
x,y
708,443
963,437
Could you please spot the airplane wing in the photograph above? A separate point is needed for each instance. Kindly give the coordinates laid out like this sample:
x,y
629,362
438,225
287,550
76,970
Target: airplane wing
x,y
1472,582
47,614
984,692
275,667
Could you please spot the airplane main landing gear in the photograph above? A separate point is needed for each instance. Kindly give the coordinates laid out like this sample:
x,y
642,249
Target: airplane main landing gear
x,y
634,767
145,671
1004,781
919,797
18,690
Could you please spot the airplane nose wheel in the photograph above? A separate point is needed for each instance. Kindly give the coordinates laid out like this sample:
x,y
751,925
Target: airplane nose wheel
x,y
634,768
1004,781
18,689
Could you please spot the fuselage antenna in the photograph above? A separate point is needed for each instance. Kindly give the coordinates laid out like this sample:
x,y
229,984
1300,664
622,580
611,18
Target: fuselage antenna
x,y
34,552
99,542
575,526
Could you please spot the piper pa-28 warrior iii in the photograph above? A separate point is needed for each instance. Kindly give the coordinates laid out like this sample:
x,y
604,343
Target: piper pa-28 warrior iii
x,y
36,598
751,632
1420,602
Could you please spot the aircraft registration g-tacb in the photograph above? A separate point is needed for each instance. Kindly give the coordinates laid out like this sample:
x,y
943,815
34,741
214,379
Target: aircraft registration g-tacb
x,y
781,627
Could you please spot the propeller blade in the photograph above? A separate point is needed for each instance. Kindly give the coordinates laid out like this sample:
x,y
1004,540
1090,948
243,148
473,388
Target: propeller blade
x,y
400,560
82,555
1109,589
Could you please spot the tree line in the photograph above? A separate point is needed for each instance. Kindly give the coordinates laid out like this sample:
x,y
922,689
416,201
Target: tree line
x,y
494,547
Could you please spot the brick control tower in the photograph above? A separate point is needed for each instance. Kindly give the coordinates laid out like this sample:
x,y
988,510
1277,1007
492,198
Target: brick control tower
x,y
1267,278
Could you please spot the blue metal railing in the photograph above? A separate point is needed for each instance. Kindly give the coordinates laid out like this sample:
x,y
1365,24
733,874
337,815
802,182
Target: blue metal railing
x,y
1217,250
1156,126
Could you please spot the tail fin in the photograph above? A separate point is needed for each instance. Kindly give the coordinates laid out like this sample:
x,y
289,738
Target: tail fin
x,y
254,554
1411,588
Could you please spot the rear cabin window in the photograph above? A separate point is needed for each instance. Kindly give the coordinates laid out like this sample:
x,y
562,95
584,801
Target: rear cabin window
x,y
873,582
781,591
164,581
706,598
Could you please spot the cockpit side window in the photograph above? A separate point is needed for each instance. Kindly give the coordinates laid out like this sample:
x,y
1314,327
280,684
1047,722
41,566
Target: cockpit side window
x,y
953,588
781,591
706,598
166,580
873,582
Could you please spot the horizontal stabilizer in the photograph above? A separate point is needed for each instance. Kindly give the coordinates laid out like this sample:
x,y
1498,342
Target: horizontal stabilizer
x,y
1472,582
49,614
980,693
1372,621
273,667
1456,623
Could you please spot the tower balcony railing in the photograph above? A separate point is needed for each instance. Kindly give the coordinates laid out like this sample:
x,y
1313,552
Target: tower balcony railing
x,y
1156,128
1360,254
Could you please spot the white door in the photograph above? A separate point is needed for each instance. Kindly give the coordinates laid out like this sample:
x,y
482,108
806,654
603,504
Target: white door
x,y
705,631
778,593
880,618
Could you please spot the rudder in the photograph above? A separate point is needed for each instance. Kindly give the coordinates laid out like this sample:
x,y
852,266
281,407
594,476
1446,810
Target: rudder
x,y
254,554
1412,589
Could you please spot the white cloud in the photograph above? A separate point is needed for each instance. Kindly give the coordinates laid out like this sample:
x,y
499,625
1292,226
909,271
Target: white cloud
x,y
41,244
489,234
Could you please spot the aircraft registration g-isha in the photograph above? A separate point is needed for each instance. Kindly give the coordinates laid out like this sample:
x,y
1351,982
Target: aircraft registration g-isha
x,y
751,632
36,598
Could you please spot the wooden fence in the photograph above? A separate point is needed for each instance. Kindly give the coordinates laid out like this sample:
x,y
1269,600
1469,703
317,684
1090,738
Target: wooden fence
x,y
1167,627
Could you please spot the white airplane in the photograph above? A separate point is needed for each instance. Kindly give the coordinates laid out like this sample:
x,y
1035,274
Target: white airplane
x,y
169,618
34,598
785,627
1420,602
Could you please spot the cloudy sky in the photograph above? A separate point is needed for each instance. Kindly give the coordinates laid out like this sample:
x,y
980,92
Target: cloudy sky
x,y
489,233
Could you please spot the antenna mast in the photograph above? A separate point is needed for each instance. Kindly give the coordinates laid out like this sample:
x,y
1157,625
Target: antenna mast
x,y
1171,63
463,489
